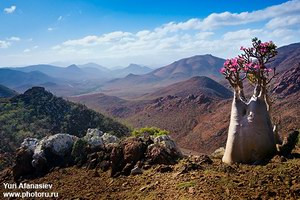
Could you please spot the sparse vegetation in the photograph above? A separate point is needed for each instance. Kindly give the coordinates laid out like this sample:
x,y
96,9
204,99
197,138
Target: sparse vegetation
x,y
187,184
154,131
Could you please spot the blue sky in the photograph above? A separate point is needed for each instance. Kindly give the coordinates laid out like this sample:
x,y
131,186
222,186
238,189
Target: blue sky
x,y
156,32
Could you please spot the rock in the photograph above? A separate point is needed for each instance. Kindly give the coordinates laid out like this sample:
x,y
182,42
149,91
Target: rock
x,y
134,150
289,143
53,150
163,151
30,143
127,169
168,144
108,138
136,170
203,159
117,161
104,165
94,139
92,164
93,132
278,159
218,153
164,169
22,165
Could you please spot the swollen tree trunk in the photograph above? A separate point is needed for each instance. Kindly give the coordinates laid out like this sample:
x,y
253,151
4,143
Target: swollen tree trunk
x,y
250,135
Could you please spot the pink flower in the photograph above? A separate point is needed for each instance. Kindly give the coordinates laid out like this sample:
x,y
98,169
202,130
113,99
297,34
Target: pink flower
x,y
226,62
249,64
256,67
234,62
223,70
269,69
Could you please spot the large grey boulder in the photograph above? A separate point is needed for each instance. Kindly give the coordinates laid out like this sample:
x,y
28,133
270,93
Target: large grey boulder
x,y
58,144
94,139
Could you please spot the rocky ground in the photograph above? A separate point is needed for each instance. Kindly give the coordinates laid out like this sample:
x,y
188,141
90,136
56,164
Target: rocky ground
x,y
192,178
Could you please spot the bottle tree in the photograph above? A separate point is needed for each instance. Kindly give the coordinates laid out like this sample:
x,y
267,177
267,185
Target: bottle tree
x,y
250,136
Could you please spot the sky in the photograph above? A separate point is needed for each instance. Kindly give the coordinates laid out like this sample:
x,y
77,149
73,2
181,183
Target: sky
x,y
149,32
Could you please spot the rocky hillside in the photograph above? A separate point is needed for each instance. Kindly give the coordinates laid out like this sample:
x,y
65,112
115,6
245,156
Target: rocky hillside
x,y
198,85
288,82
6,92
38,113
192,178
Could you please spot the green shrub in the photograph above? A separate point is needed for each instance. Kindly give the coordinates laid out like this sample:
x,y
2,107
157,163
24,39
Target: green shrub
x,y
154,131
79,153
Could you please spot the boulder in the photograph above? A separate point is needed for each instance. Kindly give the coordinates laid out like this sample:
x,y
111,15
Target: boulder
x,y
108,138
93,132
22,164
117,161
55,148
30,143
134,150
163,151
170,146
218,153
94,139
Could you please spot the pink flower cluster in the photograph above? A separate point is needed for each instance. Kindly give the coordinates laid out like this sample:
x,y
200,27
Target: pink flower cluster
x,y
244,63
264,47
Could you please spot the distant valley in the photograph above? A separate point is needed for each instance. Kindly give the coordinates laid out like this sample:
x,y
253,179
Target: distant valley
x,y
184,97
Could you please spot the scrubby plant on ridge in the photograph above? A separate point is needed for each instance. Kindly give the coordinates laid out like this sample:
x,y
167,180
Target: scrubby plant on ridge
x,y
153,131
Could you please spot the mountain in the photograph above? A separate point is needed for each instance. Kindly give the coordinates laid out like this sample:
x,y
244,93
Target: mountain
x,y
289,81
6,92
70,73
194,86
13,78
38,113
202,65
94,66
288,56
131,69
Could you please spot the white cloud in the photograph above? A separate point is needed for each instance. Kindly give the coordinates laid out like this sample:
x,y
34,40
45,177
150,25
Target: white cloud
x,y
35,47
91,40
283,21
26,50
13,38
59,18
10,9
4,44
50,29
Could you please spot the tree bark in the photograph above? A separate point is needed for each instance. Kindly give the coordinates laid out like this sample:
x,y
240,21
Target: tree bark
x,y
250,135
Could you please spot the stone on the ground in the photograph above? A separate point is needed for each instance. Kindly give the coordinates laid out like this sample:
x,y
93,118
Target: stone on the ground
x,y
94,139
30,143
136,170
58,145
22,164
218,153
109,138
